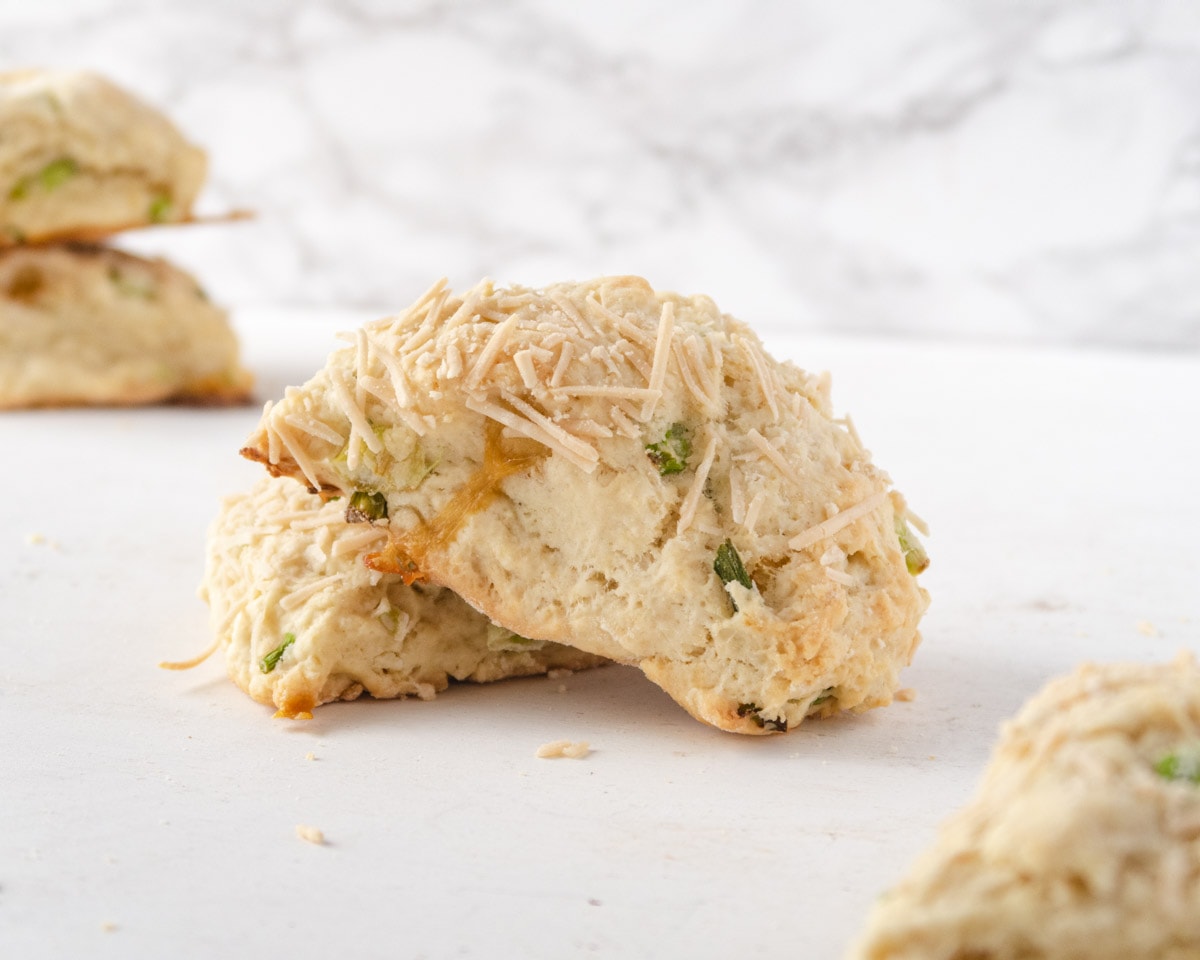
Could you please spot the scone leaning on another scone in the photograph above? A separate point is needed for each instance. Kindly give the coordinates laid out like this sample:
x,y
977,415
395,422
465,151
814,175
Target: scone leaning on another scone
x,y
82,324
302,621
81,158
629,473
1083,840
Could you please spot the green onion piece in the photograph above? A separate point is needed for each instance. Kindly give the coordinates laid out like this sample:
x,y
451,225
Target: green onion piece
x,y
267,663
671,453
1176,767
753,711
366,506
729,567
161,208
52,176
56,173
915,557
826,696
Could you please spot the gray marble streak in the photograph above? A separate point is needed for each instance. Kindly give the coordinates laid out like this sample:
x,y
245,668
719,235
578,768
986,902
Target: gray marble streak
x,y
981,168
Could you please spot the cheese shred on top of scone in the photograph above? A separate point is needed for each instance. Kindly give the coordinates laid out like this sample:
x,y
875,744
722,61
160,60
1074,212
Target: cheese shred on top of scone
x,y
571,460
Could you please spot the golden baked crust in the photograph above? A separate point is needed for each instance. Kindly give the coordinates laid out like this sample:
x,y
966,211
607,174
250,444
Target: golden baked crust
x,y
82,158
1082,842
281,564
530,447
92,325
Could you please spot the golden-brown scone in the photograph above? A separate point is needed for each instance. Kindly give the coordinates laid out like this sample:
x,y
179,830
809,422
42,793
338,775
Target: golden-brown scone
x,y
1082,842
302,621
81,158
531,448
92,325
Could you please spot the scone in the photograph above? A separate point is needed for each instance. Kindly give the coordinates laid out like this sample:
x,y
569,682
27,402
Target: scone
x,y
90,325
80,158
302,621
629,473
1083,841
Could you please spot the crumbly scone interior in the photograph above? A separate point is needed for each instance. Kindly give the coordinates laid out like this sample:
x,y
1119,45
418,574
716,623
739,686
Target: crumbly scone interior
x,y
80,155
517,435
301,621
1083,839
88,324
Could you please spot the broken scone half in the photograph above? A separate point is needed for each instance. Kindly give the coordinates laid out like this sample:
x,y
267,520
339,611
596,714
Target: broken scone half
x,y
82,158
626,472
83,324
302,621
1083,840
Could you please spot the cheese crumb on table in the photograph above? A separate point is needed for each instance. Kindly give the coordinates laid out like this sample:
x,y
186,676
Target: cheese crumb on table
x,y
310,756
906,694
564,748
1147,629
310,834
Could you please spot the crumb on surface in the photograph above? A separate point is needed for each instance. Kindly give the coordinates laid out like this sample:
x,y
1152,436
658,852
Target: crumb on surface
x,y
562,688
310,834
906,694
310,756
108,926
33,539
559,673
1147,629
564,748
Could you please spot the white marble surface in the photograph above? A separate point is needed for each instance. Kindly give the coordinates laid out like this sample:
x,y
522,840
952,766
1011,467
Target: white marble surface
x,y
966,168
146,814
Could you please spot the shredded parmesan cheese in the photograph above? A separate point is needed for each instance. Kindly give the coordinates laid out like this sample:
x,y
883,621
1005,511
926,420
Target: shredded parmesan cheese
x,y
310,835
771,454
752,511
523,360
839,521
840,576
737,496
303,462
194,661
356,541
564,748
662,349
755,358
297,597
527,428
689,376
487,356
687,511
359,425
567,440
616,392
564,358
315,428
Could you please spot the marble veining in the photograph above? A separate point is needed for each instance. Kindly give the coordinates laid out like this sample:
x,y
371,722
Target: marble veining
x,y
1022,171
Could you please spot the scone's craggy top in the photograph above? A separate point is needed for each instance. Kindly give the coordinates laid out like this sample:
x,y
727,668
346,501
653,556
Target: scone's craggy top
x,y
571,460
81,158
303,622
1083,840
85,324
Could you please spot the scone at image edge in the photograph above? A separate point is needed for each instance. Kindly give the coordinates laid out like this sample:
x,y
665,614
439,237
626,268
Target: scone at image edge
x,y
1082,841
629,473
301,621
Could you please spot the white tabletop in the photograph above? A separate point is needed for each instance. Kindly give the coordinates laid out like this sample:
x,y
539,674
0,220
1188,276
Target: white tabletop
x,y
153,814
